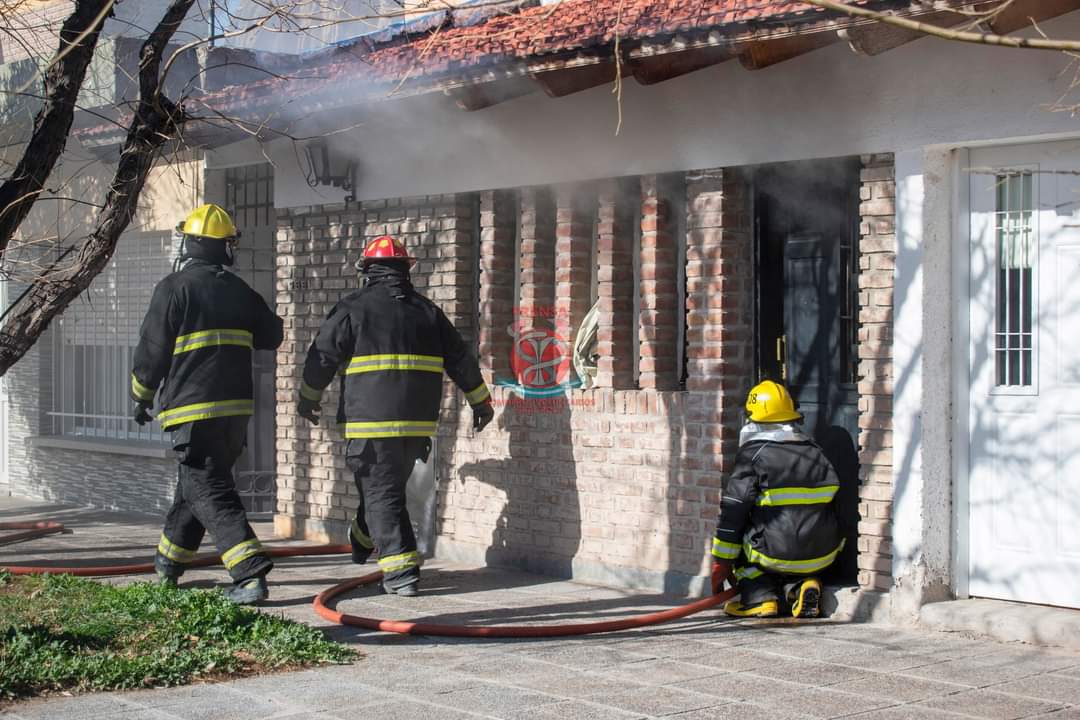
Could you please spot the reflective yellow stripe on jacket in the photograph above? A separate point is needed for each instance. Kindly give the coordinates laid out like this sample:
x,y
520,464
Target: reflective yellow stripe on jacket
x,y
205,411
798,496
725,550
375,363
209,338
309,393
390,428
797,567
478,395
396,563
141,391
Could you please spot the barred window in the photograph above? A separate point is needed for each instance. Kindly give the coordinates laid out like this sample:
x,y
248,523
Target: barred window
x,y
94,341
1016,255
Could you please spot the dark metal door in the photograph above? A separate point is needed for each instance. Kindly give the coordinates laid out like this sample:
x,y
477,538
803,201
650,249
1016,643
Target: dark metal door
x,y
807,220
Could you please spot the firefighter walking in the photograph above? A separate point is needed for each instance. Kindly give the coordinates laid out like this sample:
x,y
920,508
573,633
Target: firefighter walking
x,y
195,344
393,346
777,527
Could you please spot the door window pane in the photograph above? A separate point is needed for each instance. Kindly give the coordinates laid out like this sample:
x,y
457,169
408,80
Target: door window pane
x,y
1016,255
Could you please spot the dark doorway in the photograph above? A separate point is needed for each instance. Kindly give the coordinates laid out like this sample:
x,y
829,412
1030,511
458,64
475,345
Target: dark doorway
x,y
806,247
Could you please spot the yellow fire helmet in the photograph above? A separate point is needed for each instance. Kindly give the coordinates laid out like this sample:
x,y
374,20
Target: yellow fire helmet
x,y
770,402
209,221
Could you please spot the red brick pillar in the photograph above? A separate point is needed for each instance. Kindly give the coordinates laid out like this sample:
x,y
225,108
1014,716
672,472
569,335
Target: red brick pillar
x,y
575,205
615,240
537,260
719,268
497,238
658,324
877,262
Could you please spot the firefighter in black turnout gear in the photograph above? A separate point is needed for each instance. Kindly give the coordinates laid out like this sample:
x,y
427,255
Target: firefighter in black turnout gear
x,y
778,526
196,343
392,346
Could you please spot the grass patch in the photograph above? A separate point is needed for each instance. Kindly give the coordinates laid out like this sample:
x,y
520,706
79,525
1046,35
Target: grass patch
x,y
59,632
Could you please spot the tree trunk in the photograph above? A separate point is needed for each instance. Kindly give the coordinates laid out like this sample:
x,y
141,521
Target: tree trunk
x,y
157,120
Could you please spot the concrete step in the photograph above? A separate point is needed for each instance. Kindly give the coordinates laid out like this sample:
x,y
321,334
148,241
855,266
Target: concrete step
x,y
1005,621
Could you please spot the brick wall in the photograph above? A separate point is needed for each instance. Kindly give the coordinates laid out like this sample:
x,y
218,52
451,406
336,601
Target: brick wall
x,y
877,260
617,483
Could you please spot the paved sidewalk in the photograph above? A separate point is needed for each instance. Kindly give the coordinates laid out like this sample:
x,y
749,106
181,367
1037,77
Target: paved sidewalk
x,y
704,667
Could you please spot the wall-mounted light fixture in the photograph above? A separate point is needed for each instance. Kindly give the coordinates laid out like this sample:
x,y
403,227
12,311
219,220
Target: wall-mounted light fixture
x,y
326,169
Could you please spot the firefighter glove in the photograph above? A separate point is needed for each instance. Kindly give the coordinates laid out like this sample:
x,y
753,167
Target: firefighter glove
x,y
482,415
309,410
720,571
142,413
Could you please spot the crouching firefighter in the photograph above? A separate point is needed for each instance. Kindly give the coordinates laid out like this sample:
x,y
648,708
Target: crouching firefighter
x,y
392,345
195,344
778,526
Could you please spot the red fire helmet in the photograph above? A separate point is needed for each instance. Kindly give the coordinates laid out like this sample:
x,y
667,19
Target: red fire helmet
x,y
386,248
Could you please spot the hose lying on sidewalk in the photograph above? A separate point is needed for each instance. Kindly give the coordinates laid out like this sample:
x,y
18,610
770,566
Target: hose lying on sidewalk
x,y
322,600
30,530
408,627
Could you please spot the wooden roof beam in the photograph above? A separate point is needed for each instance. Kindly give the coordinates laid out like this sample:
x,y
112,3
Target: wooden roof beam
x,y
756,55
652,69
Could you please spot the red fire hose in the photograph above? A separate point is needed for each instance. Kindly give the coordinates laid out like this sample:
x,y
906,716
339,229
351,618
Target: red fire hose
x,y
407,627
320,604
30,530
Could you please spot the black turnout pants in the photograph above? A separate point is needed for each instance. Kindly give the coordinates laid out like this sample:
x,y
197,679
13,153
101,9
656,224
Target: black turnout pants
x,y
381,468
206,499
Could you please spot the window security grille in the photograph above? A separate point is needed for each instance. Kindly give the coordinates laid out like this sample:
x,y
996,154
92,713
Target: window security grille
x,y
1016,256
94,341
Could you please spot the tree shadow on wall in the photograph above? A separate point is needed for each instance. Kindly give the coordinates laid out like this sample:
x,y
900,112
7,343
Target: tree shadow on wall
x,y
538,524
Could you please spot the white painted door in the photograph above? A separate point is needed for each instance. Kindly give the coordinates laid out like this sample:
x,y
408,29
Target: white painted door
x,y
1024,488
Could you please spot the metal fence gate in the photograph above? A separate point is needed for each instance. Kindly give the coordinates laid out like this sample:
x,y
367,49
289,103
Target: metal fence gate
x,y
249,198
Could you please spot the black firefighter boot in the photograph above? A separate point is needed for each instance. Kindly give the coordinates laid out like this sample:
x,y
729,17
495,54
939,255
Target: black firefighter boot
x,y
249,592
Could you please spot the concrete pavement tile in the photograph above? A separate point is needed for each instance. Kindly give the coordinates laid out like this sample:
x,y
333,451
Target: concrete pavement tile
x,y
898,687
666,700
586,657
490,698
1067,714
225,705
1073,671
970,672
573,710
320,696
660,672
822,702
567,683
738,711
990,705
731,659
741,686
905,712
80,706
505,666
1056,688
809,672
410,710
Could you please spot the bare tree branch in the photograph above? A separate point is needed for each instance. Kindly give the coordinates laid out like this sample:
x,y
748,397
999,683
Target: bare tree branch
x,y
979,38
63,79
157,119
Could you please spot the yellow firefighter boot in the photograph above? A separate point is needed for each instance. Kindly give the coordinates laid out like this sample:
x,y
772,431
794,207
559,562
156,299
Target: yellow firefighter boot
x,y
807,602
766,609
